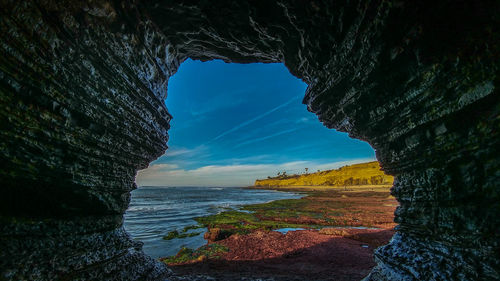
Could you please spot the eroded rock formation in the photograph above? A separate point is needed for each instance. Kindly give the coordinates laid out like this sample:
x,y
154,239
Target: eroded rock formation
x,y
82,85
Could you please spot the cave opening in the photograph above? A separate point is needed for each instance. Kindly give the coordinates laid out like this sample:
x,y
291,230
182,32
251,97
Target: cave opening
x,y
83,88
233,124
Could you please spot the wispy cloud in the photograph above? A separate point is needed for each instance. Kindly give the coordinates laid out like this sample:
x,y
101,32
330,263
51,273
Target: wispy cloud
x,y
177,151
184,157
163,167
266,137
262,158
219,102
227,175
248,122
182,151
307,119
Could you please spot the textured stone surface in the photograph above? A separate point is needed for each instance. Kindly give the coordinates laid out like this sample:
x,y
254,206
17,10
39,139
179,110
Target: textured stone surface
x,y
82,85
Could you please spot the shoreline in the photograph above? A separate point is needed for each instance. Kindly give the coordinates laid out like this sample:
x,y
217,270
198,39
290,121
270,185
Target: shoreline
x,y
157,216
340,219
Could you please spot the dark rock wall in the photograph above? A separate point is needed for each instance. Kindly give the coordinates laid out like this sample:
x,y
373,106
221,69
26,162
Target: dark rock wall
x,y
82,86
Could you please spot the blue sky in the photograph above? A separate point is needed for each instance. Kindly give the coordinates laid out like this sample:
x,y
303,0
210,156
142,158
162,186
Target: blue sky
x,y
233,123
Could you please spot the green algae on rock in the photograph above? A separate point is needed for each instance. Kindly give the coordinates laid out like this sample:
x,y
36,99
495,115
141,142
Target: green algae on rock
x,y
335,208
175,234
186,255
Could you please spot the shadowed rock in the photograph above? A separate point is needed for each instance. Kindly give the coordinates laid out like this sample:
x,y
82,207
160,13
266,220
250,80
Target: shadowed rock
x,y
82,85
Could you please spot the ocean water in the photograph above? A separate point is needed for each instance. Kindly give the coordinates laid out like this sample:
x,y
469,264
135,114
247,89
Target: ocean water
x,y
155,211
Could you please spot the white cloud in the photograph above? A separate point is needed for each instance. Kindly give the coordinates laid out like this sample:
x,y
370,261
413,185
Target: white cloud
x,y
308,119
226,175
158,167
176,151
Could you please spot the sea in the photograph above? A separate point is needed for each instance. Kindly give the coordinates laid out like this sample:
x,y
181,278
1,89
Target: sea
x,y
155,211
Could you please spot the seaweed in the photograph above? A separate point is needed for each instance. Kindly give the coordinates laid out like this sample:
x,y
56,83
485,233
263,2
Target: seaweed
x,y
186,255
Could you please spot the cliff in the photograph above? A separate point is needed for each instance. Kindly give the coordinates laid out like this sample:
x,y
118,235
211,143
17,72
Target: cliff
x,y
358,174
82,91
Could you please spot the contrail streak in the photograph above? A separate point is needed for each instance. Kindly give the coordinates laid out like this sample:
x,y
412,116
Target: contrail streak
x,y
254,119
266,137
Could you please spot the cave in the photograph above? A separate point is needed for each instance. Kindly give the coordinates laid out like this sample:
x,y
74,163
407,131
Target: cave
x,y
82,89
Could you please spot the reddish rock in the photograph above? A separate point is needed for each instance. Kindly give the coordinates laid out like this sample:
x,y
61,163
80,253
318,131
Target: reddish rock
x,y
216,234
297,255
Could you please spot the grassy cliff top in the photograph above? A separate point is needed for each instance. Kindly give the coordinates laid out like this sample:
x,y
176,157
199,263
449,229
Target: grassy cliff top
x,y
352,175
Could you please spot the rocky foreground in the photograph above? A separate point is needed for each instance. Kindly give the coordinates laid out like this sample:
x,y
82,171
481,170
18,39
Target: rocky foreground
x,y
297,255
251,248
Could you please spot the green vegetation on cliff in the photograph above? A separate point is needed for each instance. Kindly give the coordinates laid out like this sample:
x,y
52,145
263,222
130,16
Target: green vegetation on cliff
x,y
358,174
